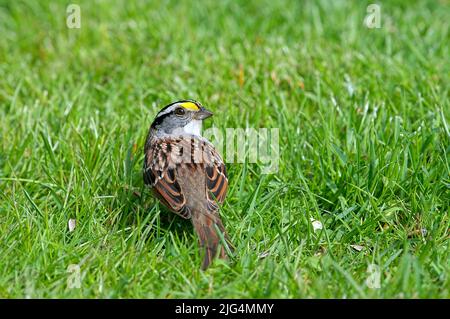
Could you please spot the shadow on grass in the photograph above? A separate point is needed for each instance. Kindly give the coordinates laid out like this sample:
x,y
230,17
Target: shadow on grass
x,y
139,208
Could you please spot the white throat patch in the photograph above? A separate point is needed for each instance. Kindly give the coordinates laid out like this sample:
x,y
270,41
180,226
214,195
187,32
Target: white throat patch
x,y
194,127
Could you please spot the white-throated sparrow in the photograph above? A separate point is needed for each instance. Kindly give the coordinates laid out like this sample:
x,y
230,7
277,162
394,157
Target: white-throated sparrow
x,y
186,173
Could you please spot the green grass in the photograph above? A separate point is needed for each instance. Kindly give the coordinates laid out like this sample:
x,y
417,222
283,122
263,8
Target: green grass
x,y
371,164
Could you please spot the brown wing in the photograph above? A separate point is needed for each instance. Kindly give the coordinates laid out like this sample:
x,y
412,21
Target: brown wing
x,y
194,152
161,177
216,174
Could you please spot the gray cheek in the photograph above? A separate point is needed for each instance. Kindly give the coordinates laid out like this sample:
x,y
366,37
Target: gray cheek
x,y
174,122
182,121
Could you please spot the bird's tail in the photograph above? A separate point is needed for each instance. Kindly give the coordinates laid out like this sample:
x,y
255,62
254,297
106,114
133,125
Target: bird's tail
x,y
209,229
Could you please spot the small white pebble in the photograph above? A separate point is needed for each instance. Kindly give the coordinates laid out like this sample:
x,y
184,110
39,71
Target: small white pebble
x,y
72,224
316,224
357,247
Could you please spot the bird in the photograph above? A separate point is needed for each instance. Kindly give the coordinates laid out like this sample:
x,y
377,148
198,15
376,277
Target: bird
x,y
187,174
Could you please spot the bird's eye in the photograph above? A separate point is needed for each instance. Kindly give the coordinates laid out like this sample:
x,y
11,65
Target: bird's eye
x,y
180,111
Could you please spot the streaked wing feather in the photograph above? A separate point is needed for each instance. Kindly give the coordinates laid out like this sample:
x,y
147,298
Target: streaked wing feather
x,y
194,153
216,176
161,178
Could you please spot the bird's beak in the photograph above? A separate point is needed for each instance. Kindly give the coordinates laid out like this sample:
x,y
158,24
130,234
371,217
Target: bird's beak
x,y
203,114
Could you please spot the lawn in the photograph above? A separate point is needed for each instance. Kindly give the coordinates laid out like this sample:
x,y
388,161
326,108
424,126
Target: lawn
x,y
364,128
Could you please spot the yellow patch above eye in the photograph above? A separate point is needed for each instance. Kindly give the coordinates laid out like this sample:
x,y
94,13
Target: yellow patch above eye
x,y
190,106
